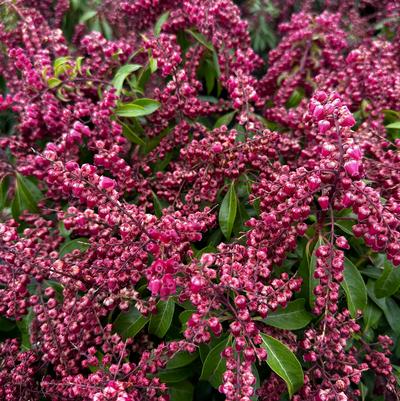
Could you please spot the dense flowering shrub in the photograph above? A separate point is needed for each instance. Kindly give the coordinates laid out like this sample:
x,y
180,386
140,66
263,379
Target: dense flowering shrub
x,y
199,199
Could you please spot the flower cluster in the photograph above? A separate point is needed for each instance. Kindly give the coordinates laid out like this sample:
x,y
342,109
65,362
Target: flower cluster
x,y
181,216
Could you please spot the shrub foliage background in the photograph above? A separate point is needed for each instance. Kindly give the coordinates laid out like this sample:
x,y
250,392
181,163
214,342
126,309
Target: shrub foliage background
x,y
199,200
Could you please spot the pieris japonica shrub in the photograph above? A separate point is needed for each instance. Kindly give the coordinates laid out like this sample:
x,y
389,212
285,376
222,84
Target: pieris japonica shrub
x,y
200,200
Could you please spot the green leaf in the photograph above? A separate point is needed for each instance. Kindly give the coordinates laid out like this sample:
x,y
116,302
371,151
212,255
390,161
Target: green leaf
x,y
185,316
160,22
293,317
388,306
131,136
153,65
346,226
201,39
122,73
174,375
139,108
129,110
312,281
354,287
225,119
78,64
3,192
61,65
182,358
364,391
395,125
214,365
82,244
87,16
182,391
6,324
27,195
389,281
371,316
24,326
161,322
53,82
158,205
295,98
284,363
128,324
106,29
62,230
210,77
227,212
241,217
150,105
257,383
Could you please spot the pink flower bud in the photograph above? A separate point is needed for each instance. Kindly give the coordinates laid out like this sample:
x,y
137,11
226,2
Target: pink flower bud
x,y
217,147
323,126
318,112
347,121
154,286
313,182
354,153
323,202
341,242
106,183
352,168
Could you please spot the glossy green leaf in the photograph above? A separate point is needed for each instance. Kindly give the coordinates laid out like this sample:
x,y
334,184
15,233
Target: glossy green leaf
x,y
225,119
293,317
131,136
128,324
53,82
354,287
210,77
3,192
138,108
78,64
6,324
160,22
153,65
174,375
395,125
150,105
182,358
130,110
312,281
161,322
158,205
123,73
388,306
27,195
257,384
284,363
241,217
61,65
87,16
346,226
227,211
364,391
295,98
185,316
106,29
214,365
182,391
82,244
371,315
201,39
24,326
389,281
